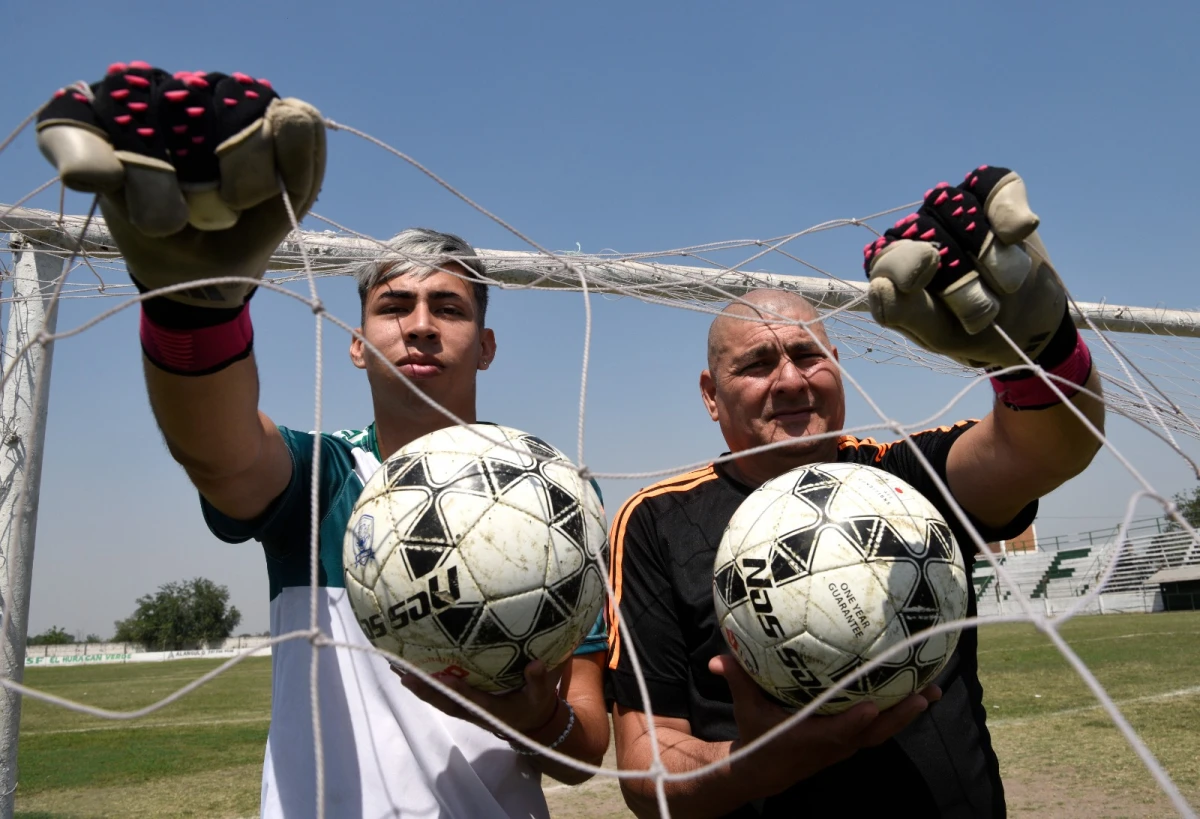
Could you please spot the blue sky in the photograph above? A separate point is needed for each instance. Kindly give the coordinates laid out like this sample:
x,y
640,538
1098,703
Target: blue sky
x,y
628,126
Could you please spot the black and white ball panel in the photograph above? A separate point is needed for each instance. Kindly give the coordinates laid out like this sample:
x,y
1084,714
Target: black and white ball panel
x,y
829,566
477,558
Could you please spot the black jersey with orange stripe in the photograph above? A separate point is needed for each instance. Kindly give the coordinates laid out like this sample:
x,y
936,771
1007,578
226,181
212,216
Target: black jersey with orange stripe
x,y
663,543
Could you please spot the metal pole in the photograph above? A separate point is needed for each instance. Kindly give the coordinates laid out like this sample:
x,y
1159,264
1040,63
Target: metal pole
x,y
23,404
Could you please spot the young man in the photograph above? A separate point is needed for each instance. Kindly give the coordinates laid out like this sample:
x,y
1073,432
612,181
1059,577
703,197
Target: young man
x,y
966,264
189,170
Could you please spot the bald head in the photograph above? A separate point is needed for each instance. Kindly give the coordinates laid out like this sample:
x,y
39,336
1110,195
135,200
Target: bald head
x,y
759,306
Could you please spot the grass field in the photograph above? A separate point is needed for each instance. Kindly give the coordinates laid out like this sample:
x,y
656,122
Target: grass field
x,y
1061,756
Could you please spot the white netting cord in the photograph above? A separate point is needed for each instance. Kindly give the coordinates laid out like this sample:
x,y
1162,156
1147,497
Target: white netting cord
x,y
44,186
895,428
1172,411
314,500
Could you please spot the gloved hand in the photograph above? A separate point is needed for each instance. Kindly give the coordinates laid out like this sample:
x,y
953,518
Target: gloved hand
x,y
968,261
187,169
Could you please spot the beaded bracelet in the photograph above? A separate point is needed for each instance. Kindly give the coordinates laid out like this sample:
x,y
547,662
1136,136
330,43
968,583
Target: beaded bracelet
x,y
561,737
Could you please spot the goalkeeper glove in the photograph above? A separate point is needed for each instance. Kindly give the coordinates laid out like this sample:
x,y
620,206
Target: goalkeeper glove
x,y
970,261
188,170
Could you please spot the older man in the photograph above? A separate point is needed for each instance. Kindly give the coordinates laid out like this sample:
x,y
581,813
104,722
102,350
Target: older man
x,y
952,276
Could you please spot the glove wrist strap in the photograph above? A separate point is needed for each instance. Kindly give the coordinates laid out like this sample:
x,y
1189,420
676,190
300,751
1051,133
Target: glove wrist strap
x,y
1066,356
201,350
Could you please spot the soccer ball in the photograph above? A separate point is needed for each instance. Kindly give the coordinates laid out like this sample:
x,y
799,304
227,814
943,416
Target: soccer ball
x,y
822,569
473,551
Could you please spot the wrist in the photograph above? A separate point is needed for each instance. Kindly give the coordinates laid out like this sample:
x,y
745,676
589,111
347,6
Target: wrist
x,y
546,730
174,314
535,728
181,347
751,777
1066,357
552,734
750,771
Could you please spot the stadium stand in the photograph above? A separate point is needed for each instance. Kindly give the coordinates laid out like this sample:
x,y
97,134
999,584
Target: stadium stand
x,y
1060,570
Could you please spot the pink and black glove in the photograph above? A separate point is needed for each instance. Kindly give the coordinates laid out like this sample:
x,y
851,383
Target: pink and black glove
x,y
187,167
970,261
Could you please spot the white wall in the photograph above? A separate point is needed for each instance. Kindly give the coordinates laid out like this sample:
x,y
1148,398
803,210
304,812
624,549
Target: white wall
x,y
1116,603
96,653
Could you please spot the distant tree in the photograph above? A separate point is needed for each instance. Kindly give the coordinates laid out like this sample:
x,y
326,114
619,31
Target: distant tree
x,y
1188,502
178,615
93,638
53,636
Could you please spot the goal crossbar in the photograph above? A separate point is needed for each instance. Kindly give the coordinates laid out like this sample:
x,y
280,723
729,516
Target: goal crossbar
x,y
332,253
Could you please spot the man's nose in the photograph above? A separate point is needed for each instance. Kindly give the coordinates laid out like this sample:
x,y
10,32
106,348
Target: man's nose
x,y
789,378
419,323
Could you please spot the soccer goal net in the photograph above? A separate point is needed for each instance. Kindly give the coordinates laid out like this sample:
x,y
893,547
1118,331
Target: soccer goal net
x,y
1148,357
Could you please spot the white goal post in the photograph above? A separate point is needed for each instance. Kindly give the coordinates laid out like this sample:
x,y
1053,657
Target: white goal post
x,y
23,407
332,253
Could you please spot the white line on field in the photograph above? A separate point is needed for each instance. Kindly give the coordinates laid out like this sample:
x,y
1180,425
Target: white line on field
x,y
129,725
1066,712
1090,640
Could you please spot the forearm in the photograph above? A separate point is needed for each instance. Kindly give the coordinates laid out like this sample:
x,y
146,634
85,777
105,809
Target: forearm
x,y
716,793
210,422
581,685
1054,443
1015,456
213,429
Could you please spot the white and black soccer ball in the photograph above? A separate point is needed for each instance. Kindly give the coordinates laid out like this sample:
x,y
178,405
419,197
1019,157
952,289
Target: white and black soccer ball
x,y
473,551
825,567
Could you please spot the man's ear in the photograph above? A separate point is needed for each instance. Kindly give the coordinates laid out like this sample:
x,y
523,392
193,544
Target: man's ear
x,y
487,353
708,391
358,351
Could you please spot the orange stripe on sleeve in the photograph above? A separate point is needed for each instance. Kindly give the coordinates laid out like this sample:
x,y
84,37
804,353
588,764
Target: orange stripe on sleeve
x,y
847,441
882,448
680,483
